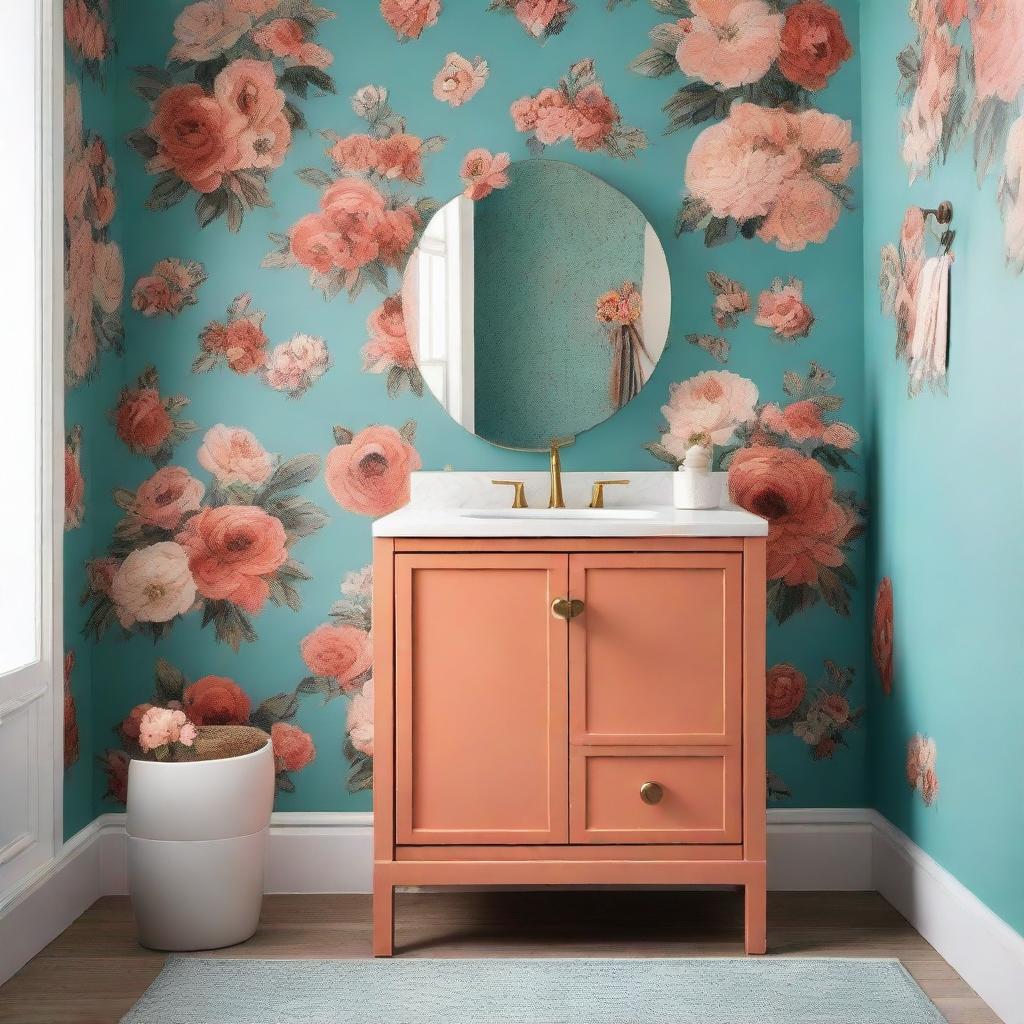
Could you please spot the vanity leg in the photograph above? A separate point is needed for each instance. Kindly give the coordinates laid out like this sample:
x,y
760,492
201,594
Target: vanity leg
x,y
383,917
756,914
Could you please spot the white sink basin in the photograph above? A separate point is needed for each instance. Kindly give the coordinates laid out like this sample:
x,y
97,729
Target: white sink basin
x,y
558,513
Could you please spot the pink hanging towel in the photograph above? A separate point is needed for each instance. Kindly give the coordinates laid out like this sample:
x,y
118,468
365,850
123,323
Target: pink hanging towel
x,y
931,327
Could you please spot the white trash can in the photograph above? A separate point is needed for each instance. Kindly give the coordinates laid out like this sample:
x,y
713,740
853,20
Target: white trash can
x,y
197,837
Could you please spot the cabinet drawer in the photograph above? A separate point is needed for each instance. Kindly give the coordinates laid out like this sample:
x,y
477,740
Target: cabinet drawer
x,y
700,795
656,656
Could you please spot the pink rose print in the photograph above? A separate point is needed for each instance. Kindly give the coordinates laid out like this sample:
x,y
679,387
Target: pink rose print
x,y
813,44
93,269
360,720
293,748
74,484
294,366
783,310
483,172
167,497
388,350
460,79
366,225
540,18
785,687
223,138
342,654
147,422
168,288
410,17
728,44
781,174
233,455
707,409
368,473
921,773
87,33
578,110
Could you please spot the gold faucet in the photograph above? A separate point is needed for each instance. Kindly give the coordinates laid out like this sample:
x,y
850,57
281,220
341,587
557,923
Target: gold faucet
x,y
555,499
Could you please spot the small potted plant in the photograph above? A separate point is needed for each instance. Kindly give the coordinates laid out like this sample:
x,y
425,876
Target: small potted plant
x,y
199,803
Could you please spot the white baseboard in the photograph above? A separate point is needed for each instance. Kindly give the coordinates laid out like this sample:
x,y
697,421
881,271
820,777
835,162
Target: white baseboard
x,y
811,850
986,952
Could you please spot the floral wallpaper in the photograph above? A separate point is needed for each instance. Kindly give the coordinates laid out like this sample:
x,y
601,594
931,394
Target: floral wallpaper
x,y
276,162
943,83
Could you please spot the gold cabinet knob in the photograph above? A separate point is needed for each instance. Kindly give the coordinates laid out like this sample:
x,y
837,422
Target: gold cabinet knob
x,y
597,496
651,793
518,495
563,608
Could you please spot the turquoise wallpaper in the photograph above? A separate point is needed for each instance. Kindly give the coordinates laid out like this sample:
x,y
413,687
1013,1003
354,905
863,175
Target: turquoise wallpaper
x,y
547,247
946,486
275,163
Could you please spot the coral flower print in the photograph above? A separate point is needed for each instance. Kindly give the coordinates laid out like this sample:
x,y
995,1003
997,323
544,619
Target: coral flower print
x,y
234,456
578,109
168,288
772,53
365,226
813,44
783,310
410,17
293,748
727,43
785,688
225,549
541,18
74,484
483,172
115,768
221,120
368,473
148,422
166,498
820,716
882,634
341,654
240,341
71,734
233,551
388,349
216,700
93,270
921,772
87,33
460,79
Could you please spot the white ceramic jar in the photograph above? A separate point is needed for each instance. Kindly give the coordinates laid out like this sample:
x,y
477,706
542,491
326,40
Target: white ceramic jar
x,y
197,836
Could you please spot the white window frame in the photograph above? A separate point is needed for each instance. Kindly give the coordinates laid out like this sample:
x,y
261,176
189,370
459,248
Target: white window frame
x,y
38,689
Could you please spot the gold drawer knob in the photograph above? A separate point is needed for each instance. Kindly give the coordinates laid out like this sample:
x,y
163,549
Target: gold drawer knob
x,y
651,793
563,608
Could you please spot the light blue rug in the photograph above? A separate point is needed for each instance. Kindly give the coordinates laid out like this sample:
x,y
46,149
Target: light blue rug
x,y
581,991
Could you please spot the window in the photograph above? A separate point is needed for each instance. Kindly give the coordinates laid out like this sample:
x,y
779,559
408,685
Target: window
x,y
31,435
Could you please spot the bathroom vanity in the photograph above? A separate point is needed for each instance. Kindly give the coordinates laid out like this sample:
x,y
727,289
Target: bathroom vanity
x,y
567,696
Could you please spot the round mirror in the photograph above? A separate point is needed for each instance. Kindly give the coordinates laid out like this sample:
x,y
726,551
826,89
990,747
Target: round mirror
x,y
538,311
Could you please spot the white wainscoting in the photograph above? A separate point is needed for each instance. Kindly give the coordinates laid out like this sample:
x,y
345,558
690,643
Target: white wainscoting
x,y
811,850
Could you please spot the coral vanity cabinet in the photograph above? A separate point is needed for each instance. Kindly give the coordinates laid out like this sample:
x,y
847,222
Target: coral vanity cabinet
x,y
569,710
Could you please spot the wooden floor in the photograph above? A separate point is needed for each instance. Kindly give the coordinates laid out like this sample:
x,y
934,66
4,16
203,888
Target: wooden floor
x,y
95,970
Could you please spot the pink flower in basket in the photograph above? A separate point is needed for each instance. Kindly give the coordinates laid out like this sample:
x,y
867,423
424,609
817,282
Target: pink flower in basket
x,y
162,727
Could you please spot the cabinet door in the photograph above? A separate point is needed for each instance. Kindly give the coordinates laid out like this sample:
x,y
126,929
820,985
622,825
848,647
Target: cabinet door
x,y
481,722
656,656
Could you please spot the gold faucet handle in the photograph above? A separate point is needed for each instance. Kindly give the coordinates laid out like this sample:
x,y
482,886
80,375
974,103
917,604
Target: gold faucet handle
x,y
518,496
597,497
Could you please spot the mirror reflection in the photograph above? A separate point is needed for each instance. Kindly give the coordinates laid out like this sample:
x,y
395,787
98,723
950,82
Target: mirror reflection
x,y
540,310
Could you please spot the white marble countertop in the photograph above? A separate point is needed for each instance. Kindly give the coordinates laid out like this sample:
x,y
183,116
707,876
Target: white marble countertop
x,y
468,505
